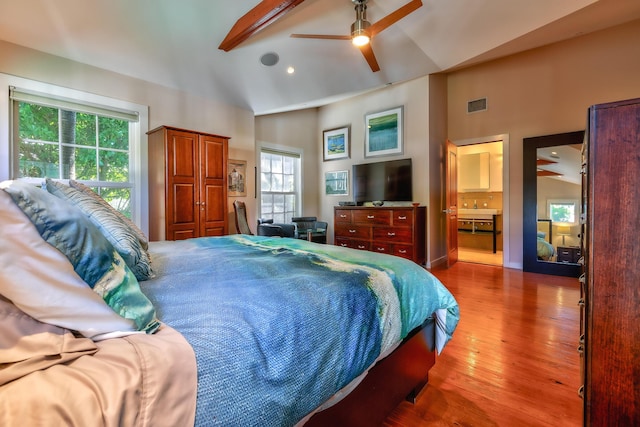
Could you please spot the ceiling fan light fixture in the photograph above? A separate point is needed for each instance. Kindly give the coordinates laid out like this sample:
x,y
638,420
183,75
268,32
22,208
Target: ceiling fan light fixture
x,y
360,33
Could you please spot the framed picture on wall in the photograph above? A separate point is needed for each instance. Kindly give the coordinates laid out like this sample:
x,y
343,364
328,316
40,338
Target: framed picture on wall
x,y
237,178
383,133
336,143
336,183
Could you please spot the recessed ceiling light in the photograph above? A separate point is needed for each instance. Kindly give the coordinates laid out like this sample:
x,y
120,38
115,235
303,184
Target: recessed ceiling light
x,y
269,59
291,70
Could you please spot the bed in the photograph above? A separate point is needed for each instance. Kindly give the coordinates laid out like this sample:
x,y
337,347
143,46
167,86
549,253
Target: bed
x,y
544,248
101,327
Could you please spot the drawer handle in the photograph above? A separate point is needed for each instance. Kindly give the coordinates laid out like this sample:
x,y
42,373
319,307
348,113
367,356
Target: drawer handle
x,y
580,349
371,216
344,245
582,278
402,251
581,392
391,234
352,231
581,302
402,217
360,246
343,216
380,249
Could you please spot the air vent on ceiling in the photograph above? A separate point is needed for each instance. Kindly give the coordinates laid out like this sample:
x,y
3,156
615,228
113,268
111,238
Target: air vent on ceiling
x,y
477,105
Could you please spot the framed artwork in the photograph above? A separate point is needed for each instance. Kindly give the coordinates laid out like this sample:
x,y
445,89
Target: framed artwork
x,y
237,178
336,143
336,183
383,135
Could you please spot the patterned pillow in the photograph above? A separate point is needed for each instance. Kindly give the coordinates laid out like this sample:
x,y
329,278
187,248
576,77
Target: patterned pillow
x,y
92,256
144,241
40,280
113,228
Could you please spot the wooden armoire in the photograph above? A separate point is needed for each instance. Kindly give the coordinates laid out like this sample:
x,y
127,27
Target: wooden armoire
x,y
187,184
610,286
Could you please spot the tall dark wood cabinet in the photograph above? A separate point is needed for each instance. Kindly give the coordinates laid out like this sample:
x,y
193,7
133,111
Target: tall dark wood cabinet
x,y
187,184
610,340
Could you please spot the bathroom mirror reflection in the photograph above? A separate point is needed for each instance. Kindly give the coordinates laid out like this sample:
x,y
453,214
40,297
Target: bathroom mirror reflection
x,y
473,170
552,187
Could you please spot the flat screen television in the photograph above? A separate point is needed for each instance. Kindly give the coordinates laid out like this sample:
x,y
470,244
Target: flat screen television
x,y
388,181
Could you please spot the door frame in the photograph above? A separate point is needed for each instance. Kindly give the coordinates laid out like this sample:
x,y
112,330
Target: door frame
x,y
506,233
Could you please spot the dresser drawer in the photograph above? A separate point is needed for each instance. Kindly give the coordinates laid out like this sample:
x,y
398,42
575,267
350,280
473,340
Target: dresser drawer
x,y
392,234
342,215
372,216
404,251
352,231
402,217
381,247
363,245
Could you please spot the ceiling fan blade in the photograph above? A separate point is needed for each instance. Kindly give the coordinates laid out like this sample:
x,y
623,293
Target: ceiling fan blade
x,y
264,14
367,51
320,36
394,17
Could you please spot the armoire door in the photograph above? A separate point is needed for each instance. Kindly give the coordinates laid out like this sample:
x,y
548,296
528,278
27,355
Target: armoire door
x,y
213,186
182,180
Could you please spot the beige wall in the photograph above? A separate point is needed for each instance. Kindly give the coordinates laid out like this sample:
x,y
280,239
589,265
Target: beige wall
x,y
414,97
166,106
540,92
296,131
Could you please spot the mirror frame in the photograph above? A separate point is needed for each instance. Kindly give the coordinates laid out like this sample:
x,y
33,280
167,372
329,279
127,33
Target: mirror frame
x,y
530,260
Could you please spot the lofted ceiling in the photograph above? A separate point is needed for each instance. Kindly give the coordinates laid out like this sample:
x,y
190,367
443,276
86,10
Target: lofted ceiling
x,y
175,43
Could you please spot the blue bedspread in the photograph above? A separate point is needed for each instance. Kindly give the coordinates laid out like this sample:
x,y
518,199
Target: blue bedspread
x,y
280,325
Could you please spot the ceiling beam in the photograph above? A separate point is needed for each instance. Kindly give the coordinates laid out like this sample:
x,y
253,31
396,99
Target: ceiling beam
x,y
264,14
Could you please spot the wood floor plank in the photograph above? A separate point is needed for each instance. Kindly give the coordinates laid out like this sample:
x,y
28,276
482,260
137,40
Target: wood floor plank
x,y
512,360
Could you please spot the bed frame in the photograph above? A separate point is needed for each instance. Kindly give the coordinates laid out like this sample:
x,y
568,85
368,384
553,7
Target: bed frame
x,y
399,376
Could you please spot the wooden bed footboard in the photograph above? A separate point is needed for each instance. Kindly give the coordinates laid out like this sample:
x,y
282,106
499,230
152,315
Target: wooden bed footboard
x,y
399,376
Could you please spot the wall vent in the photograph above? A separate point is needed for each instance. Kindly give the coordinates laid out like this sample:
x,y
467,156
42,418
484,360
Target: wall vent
x,y
477,105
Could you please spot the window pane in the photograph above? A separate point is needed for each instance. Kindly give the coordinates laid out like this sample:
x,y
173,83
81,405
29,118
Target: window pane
x,y
265,163
276,164
287,165
267,206
114,133
85,127
38,160
288,184
38,122
278,203
85,166
276,182
114,166
265,181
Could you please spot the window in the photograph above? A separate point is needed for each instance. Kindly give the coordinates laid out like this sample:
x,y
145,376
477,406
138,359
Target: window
x,y
563,211
64,139
279,185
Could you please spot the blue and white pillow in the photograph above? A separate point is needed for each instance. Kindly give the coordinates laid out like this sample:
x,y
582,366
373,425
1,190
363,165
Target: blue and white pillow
x,y
94,259
119,234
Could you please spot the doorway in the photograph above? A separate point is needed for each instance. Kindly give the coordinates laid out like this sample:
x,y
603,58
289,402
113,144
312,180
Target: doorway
x,y
483,200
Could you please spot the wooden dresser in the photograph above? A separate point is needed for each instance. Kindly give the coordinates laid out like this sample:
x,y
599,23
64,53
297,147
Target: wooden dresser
x,y
397,231
187,184
610,286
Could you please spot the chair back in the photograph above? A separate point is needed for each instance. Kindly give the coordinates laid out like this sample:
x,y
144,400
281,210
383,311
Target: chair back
x,y
242,226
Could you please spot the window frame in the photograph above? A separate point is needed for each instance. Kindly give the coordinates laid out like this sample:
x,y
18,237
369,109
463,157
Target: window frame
x,y
285,151
138,152
576,210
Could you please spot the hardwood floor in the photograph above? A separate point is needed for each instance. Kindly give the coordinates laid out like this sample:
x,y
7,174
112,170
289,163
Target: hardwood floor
x,y
512,360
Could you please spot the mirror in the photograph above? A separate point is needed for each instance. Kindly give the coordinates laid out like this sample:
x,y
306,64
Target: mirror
x,y
473,172
551,203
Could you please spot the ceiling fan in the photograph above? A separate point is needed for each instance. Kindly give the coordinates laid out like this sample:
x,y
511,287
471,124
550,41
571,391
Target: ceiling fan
x,y
362,31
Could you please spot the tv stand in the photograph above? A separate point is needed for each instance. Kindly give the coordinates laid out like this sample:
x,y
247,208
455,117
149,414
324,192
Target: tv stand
x,y
395,230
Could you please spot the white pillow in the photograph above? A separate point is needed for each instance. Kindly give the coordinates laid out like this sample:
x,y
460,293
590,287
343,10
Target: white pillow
x,y
40,280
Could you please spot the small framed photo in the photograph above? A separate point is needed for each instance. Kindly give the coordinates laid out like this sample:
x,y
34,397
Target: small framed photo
x,y
336,183
383,135
237,178
336,143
